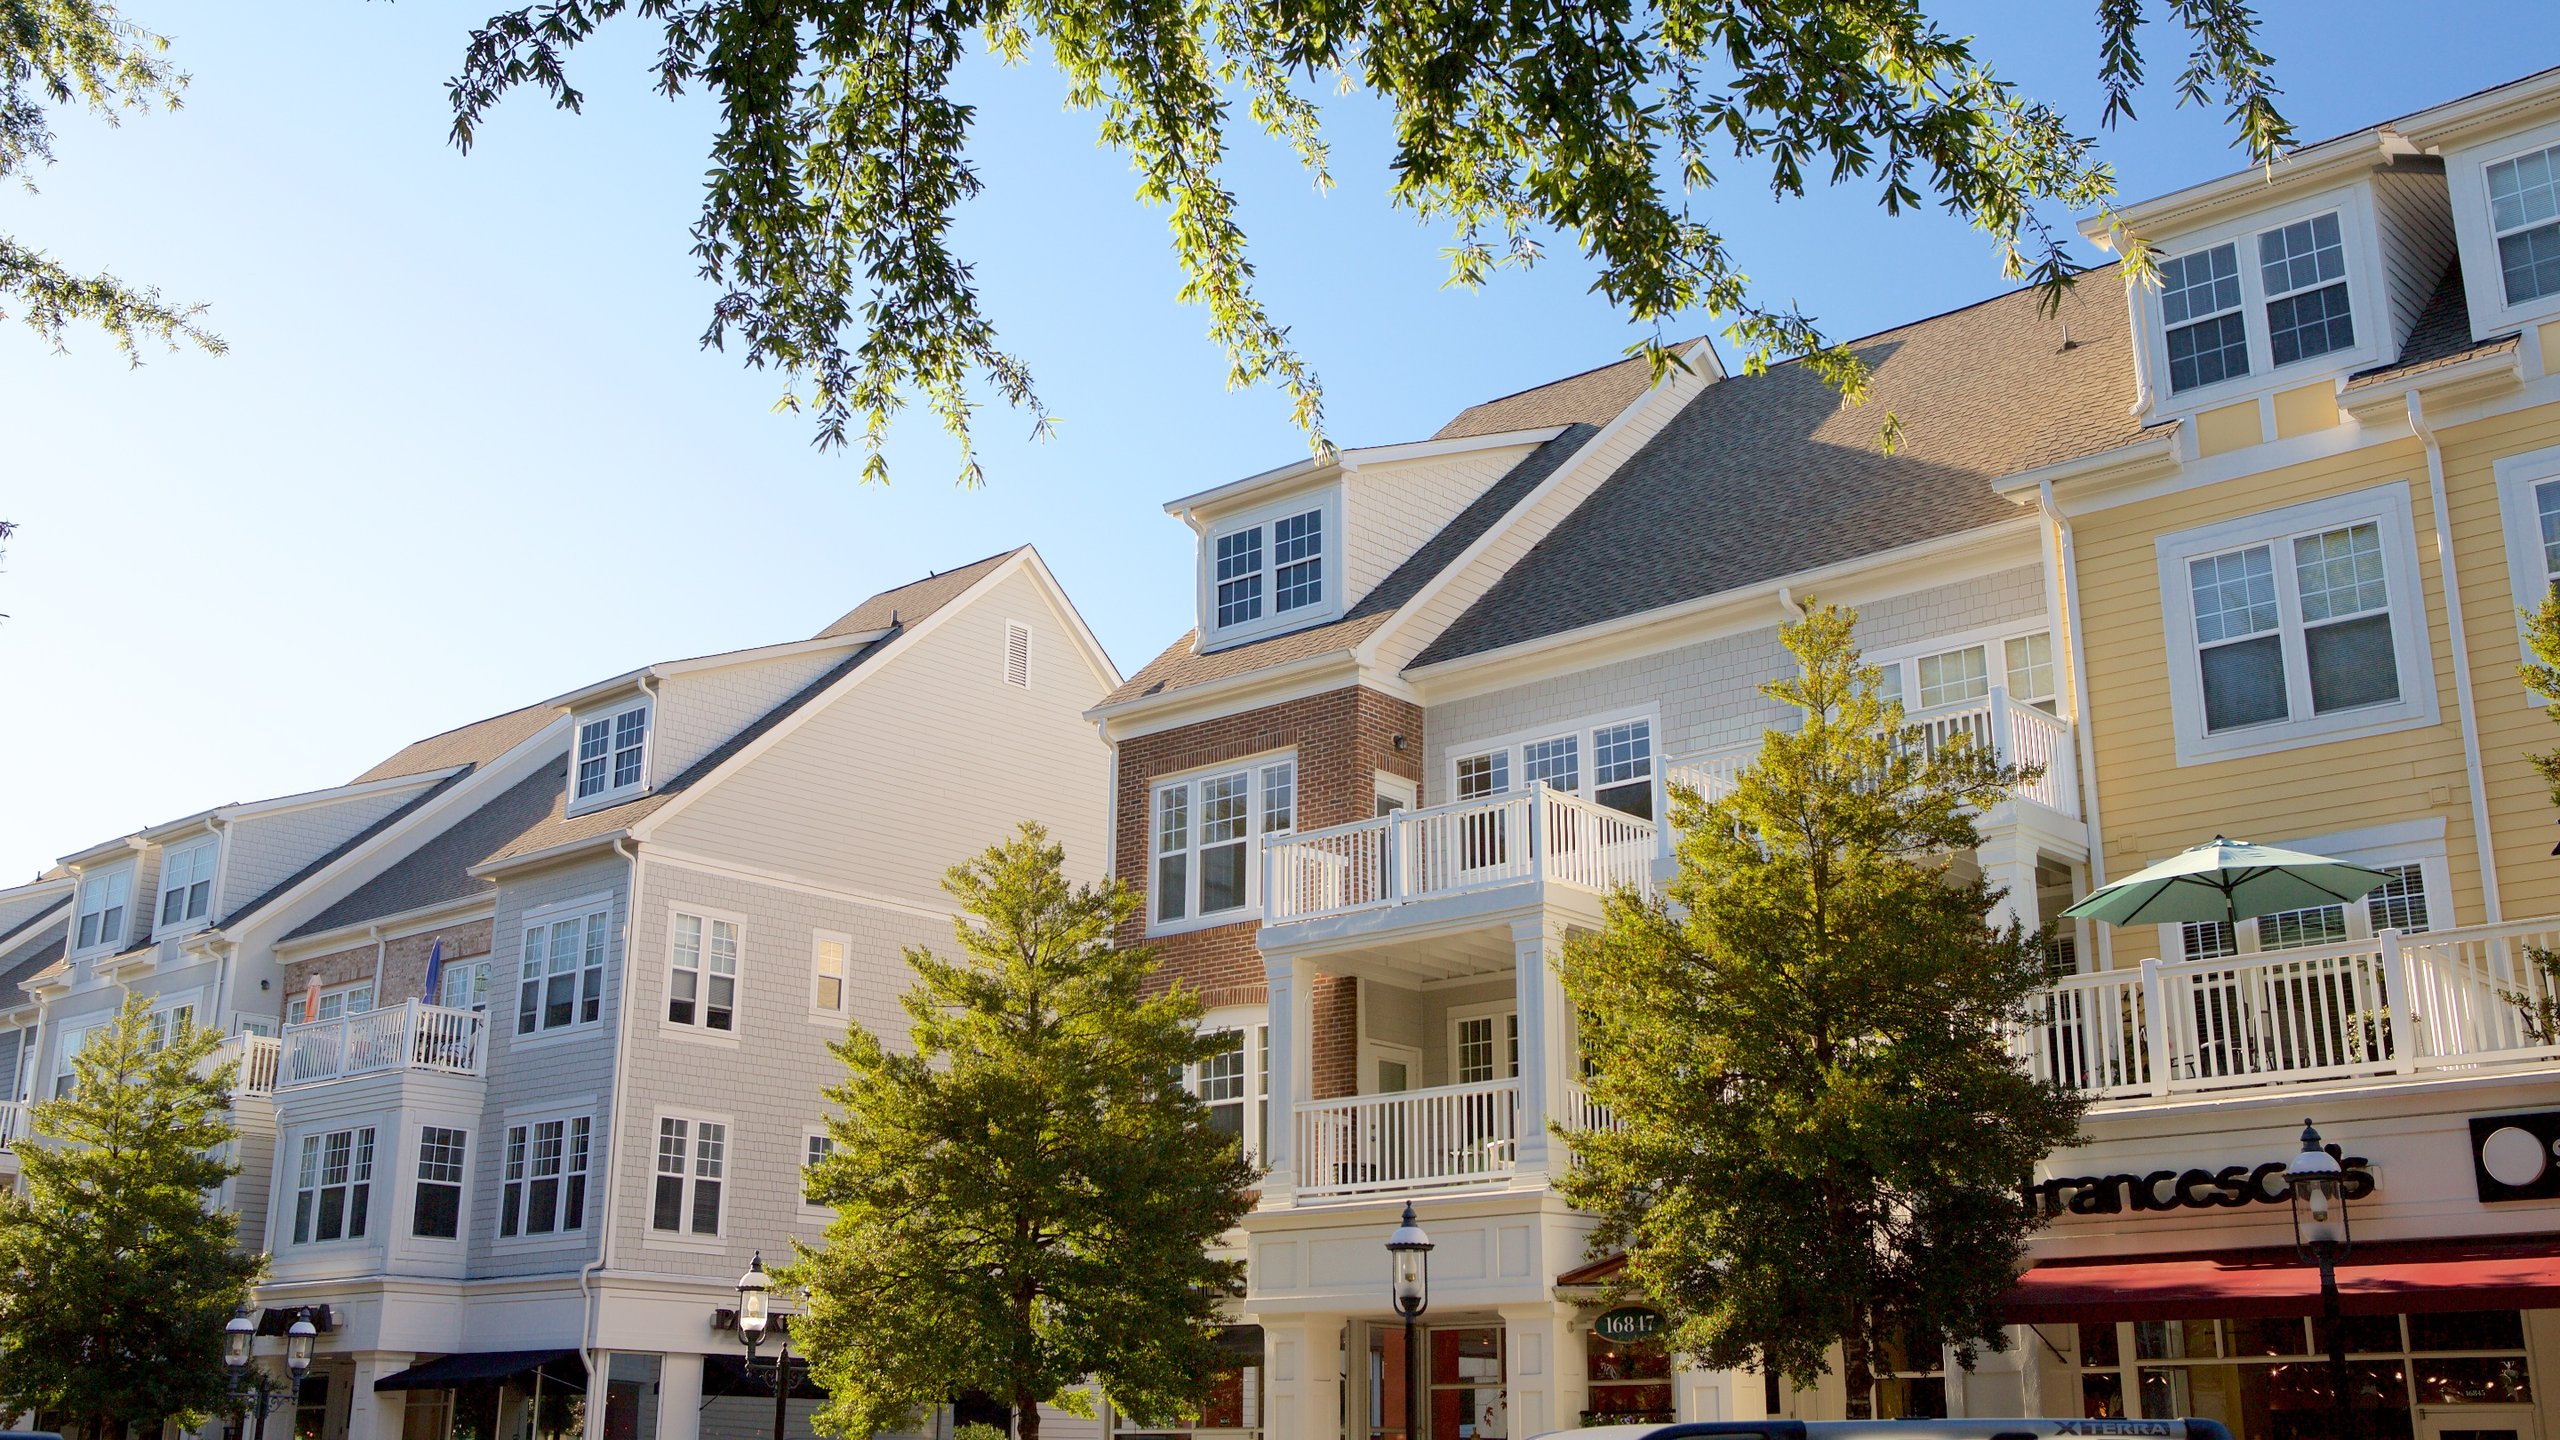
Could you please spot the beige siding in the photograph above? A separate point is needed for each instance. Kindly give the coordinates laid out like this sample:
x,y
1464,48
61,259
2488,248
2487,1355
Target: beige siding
x,y
699,709
925,760
2416,219
1389,512
263,849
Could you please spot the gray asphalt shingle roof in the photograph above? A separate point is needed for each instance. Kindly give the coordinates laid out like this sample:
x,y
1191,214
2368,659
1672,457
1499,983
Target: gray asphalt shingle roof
x,y
439,870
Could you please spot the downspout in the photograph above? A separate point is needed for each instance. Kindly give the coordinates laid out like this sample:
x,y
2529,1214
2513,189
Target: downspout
x,y
613,1131
229,955
1110,806
2067,587
1787,601
2142,395
381,952
2451,579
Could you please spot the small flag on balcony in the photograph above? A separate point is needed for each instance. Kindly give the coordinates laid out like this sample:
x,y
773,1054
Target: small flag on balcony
x,y
311,999
435,972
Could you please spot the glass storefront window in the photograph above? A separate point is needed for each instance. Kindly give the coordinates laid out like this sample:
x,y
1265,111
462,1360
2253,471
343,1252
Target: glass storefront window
x,y
1630,1382
2269,1379
1466,1384
1234,1408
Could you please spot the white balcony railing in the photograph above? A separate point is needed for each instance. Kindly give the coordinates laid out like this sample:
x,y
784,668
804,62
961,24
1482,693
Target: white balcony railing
x,y
2392,1005
1581,1112
1525,837
13,1122
1409,1140
259,1056
2019,734
407,1036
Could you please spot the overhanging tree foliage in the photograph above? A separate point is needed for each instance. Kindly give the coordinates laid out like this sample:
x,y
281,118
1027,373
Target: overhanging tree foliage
x,y
1026,1200
118,1277
841,155
64,52
1807,1043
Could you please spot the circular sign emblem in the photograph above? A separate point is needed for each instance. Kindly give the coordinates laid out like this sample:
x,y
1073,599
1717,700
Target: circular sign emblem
x,y
1628,1322
2512,1156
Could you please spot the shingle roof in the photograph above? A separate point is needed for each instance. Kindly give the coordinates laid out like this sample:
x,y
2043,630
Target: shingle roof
x,y
2441,337
38,949
1180,668
330,856
1765,476
477,743
439,870
1593,397
912,602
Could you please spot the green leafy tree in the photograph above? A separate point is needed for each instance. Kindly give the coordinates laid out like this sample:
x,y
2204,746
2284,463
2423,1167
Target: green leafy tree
x,y
119,1277
2541,675
1807,1041
1026,1200
83,52
841,157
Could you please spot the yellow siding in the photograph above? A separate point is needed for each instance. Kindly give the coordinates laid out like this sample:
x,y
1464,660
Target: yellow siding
x,y
2301,411
2550,346
2233,427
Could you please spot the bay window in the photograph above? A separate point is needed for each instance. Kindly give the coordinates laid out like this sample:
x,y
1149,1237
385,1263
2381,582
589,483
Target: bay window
x,y
333,1190
1206,836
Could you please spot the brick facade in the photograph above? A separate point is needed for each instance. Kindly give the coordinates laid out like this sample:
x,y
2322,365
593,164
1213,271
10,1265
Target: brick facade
x,y
402,962
1343,738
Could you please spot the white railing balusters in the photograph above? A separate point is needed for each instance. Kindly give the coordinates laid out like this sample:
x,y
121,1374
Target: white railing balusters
x,y
407,1036
13,1122
1524,837
1408,1140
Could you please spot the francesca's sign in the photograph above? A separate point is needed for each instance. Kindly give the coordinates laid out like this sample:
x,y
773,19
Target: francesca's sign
x,y
2233,1187
1628,1322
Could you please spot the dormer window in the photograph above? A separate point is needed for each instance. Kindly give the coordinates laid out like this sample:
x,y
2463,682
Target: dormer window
x,y
186,882
2200,300
103,899
610,751
2256,302
2304,269
1270,570
2524,214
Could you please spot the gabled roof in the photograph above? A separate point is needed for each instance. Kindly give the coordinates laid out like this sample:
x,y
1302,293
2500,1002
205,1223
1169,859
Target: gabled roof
x,y
1180,667
2441,337
33,951
1593,397
1760,477
912,602
440,870
334,853
477,743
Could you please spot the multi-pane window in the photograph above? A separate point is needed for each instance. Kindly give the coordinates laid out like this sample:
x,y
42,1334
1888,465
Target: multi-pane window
x,y
1954,677
2236,637
102,907
1485,1047
2028,662
692,1156
610,748
1240,577
826,980
66,1072
1620,774
2546,505
186,882
1205,832
333,1190
562,978
544,1177
2293,929
2346,618
436,1212
1297,561
1223,1084
702,973
165,1023
2334,653
2302,268
464,985
2524,213
2200,304
1555,763
1622,768
2207,939
344,1000
1482,775
2399,903
1274,567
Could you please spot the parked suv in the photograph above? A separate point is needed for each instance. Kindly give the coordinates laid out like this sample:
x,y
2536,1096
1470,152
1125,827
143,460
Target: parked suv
x,y
1902,1430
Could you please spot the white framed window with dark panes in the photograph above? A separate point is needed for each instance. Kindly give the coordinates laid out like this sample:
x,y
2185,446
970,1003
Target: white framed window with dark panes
x,y
186,882
435,1206
1234,1082
542,1176
1205,838
336,1001
1484,1044
611,757
1273,569
692,1167
333,1186
1952,671
815,1146
104,908
2416,897
2264,299
704,952
2295,626
830,955
1610,762
2524,223
2529,511
560,974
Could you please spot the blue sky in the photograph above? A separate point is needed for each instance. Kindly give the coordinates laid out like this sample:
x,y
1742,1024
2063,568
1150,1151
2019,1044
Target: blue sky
x,y
465,453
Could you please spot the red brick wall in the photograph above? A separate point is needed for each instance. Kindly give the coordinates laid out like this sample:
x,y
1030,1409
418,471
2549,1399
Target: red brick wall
x,y
403,962
1343,738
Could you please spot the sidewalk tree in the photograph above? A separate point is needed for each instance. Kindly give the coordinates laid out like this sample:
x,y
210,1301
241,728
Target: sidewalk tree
x,y
841,159
83,52
1025,1200
1806,1039
2540,1009
119,1276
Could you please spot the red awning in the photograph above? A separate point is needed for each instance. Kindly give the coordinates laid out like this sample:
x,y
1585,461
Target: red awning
x,y
2384,1279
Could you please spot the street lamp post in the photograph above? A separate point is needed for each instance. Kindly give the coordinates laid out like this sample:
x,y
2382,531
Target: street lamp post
x,y
1409,1282
249,1386
755,1315
2318,1187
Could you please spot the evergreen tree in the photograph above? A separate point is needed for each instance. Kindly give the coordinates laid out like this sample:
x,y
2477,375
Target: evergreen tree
x,y
120,1276
2540,1007
1026,1200
1807,1042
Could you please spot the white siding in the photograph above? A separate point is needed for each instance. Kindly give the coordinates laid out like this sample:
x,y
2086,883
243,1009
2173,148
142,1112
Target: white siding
x,y
260,850
19,909
700,709
2416,219
1389,512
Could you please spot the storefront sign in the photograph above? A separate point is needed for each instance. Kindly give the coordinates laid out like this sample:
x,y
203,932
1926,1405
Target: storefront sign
x,y
2232,1187
1628,1322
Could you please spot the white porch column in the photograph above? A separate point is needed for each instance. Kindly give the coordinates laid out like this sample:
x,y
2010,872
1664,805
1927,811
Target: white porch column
x,y
1546,1384
1537,945
1292,991
1302,1377
1714,1395
680,1397
2009,861
373,1415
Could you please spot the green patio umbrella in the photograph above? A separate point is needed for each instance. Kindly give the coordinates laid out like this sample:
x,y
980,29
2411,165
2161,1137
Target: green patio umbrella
x,y
2228,880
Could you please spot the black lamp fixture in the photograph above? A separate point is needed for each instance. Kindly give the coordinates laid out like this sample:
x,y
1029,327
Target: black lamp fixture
x,y
1409,1285
2318,1187
253,1388
755,1316
299,1337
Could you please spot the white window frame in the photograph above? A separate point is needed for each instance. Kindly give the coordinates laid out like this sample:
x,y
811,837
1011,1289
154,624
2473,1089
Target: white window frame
x,y
67,1043
1256,770
700,1026
819,1010
166,1016
1585,733
517,1139
343,994
2386,506
610,717
1506,1039
2520,514
2409,842
587,912
1901,663
1327,504
419,1181
204,851
1252,1024
2466,174
104,880
475,995
364,1172
810,1139
685,1237
2358,234
1017,655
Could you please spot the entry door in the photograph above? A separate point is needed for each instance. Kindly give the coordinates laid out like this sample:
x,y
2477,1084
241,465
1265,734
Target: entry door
x,y
1397,1067
2475,1422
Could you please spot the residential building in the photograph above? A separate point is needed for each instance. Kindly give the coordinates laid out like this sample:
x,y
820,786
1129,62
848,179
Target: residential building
x,y
2183,552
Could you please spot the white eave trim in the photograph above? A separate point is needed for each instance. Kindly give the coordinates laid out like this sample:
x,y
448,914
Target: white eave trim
x,y
396,925
630,680
600,840
1224,685
1347,461
2150,454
